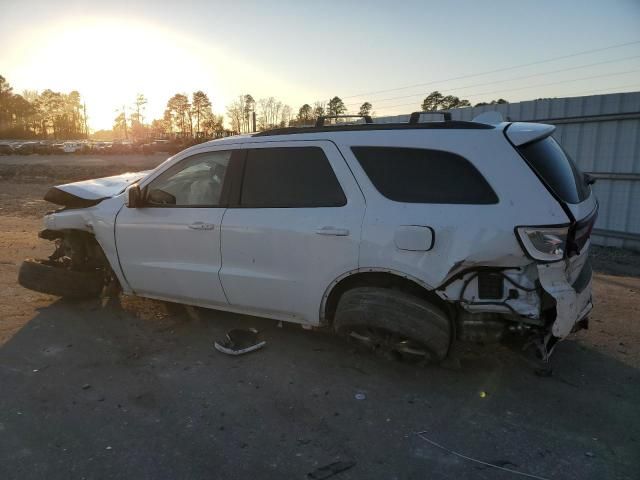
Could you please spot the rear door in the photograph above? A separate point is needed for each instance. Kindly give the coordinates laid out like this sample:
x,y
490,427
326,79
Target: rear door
x,y
295,226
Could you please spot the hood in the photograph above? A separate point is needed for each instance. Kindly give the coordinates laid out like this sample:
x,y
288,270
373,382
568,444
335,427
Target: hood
x,y
91,192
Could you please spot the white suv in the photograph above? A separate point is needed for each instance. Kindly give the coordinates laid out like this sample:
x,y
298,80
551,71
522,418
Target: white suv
x,y
404,236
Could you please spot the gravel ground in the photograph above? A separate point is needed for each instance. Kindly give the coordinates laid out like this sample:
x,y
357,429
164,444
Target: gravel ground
x,y
135,389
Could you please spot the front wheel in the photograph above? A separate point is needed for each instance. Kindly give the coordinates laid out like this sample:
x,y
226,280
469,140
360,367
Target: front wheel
x,y
394,324
49,277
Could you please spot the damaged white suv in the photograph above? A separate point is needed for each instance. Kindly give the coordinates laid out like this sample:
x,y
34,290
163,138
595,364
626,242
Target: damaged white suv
x,y
406,237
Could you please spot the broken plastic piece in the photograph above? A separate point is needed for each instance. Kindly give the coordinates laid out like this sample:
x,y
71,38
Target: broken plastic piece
x,y
239,342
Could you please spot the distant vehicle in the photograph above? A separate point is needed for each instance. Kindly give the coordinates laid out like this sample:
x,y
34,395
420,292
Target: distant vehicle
x,y
166,146
404,237
5,149
122,146
100,147
72,147
25,148
43,148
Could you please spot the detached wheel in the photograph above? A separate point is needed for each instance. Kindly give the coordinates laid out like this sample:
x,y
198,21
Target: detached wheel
x,y
46,277
394,324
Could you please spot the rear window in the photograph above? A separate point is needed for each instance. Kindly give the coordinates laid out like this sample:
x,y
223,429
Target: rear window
x,y
557,169
417,175
289,178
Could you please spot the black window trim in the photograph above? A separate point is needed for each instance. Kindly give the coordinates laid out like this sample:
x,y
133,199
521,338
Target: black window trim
x,y
235,196
226,186
404,147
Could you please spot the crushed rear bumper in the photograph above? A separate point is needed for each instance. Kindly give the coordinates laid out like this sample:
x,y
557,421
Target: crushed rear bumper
x,y
573,301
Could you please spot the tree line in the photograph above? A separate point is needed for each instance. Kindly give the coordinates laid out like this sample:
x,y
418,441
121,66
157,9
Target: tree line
x,y
184,117
435,101
63,115
41,115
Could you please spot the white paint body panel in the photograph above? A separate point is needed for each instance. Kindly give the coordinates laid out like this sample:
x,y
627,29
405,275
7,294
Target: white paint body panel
x,y
161,254
465,235
279,261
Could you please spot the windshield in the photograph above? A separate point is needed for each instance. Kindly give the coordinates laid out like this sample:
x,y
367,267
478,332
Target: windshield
x,y
557,169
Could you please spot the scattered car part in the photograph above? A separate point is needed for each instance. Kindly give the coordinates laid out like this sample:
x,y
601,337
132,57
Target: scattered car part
x,y
239,342
50,277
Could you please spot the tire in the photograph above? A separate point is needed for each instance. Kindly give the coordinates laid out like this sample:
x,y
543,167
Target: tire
x,y
42,276
387,316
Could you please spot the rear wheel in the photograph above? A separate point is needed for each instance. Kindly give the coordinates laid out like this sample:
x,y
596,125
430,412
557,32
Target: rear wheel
x,y
53,278
394,324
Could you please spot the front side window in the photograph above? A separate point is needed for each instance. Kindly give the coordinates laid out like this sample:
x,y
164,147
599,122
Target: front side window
x,y
288,178
418,175
196,181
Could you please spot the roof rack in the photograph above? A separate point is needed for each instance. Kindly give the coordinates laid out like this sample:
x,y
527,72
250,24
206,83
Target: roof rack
x,y
415,116
322,118
362,127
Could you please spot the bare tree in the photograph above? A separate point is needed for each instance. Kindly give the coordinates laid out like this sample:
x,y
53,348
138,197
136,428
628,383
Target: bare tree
x,y
235,112
319,109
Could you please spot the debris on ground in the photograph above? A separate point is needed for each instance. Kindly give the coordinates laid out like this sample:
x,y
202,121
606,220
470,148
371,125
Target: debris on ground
x,y
239,341
330,470
86,386
486,464
360,396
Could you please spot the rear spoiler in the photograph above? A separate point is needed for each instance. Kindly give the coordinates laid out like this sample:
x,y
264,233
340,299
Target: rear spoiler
x,y
518,133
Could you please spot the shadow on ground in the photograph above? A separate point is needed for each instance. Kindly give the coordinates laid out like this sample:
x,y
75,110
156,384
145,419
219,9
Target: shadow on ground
x,y
97,392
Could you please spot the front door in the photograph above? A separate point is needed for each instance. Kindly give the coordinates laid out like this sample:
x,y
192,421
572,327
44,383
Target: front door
x,y
170,247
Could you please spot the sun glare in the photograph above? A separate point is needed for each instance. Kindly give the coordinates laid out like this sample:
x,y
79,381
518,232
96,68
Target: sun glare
x,y
109,62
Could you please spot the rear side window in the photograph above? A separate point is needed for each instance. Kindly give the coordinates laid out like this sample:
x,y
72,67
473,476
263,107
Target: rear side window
x,y
416,175
290,177
557,169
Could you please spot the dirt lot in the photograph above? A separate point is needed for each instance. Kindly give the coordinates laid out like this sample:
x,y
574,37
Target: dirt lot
x,y
136,390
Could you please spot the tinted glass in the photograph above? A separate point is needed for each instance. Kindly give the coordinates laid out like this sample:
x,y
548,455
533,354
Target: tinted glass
x,y
290,177
195,181
557,169
416,175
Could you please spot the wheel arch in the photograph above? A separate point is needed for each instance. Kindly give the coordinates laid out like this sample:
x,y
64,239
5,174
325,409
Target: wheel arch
x,y
381,277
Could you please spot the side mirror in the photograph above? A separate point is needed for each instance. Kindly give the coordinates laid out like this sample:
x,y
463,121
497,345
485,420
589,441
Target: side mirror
x,y
134,196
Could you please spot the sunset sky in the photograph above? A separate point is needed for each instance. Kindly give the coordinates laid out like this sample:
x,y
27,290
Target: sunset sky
x,y
303,51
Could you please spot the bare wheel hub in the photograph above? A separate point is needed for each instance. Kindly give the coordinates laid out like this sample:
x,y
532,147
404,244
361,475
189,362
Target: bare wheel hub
x,y
390,344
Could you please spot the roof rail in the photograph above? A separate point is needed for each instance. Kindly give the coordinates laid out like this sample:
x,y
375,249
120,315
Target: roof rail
x,y
415,116
322,118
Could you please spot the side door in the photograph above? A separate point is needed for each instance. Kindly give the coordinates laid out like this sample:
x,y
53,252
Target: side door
x,y
292,227
170,247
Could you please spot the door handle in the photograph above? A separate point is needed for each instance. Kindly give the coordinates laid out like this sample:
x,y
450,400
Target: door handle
x,y
202,226
336,232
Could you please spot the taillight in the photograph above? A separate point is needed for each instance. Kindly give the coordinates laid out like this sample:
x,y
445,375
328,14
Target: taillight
x,y
547,244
